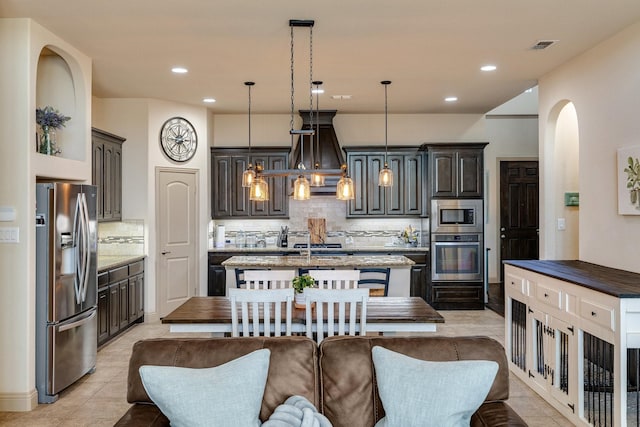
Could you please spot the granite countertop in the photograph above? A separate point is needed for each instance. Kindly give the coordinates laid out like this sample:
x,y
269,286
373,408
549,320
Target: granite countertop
x,y
108,262
345,249
618,283
319,261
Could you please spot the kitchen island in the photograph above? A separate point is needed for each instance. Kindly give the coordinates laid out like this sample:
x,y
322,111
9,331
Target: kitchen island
x,y
399,280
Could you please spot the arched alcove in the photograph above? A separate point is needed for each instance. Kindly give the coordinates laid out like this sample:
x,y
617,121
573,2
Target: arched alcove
x,y
560,212
59,86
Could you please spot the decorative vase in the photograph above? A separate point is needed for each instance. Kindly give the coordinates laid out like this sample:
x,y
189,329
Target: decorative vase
x,y
48,141
299,300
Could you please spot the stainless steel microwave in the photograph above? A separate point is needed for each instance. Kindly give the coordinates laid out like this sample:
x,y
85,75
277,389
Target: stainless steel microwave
x,y
457,216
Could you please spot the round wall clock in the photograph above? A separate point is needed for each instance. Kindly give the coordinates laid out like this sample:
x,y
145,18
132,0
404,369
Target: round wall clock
x,y
178,139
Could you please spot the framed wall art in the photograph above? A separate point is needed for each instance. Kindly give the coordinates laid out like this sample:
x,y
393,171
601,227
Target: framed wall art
x,y
629,181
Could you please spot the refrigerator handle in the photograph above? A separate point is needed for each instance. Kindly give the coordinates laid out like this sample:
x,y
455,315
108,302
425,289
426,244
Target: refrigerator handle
x,y
86,247
77,323
77,225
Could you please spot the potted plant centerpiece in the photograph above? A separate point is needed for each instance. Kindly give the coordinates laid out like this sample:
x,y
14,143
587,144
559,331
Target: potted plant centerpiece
x,y
299,284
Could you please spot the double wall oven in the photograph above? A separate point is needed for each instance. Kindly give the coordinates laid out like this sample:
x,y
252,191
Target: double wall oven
x,y
457,246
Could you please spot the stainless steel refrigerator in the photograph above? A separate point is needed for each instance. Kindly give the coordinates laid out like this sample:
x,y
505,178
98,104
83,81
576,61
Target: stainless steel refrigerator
x,y
66,286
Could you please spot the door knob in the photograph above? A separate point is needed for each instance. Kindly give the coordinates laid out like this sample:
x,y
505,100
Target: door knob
x,y
502,229
502,236
165,252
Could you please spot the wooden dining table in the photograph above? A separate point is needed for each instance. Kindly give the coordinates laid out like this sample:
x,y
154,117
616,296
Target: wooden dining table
x,y
384,314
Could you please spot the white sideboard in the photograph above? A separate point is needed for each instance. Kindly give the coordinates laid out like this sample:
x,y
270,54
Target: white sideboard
x,y
572,333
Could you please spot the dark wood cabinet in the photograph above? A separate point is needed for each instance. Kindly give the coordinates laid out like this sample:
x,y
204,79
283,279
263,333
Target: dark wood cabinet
x,y
419,274
103,315
404,198
107,173
456,170
120,299
457,295
230,200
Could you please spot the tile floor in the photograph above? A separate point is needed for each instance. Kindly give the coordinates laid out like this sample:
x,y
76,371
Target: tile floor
x,y
100,399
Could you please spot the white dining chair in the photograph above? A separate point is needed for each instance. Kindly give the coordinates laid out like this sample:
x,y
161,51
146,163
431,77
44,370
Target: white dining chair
x,y
268,279
261,311
335,303
336,279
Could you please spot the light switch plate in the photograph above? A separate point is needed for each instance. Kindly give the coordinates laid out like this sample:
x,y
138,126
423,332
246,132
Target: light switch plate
x,y
9,235
562,225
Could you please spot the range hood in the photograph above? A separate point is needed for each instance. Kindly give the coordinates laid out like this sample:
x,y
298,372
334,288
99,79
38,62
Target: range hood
x,y
326,149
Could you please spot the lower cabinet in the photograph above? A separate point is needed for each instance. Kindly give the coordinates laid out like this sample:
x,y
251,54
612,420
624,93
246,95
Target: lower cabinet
x,y
120,299
419,274
456,295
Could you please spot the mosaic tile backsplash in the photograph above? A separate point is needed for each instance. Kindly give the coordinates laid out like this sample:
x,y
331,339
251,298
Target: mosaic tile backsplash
x,y
121,238
366,231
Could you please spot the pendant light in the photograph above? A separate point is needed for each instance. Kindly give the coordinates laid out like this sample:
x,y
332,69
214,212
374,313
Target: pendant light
x,y
301,186
385,177
259,191
249,175
317,179
344,188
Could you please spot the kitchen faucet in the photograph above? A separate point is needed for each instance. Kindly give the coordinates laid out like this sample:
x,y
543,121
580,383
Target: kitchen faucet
x,y
308,248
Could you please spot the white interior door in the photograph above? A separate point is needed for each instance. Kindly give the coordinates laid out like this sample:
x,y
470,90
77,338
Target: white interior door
x,y
177,238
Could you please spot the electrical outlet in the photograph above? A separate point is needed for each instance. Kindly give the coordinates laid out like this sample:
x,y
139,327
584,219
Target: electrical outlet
x,y
562,225
9,235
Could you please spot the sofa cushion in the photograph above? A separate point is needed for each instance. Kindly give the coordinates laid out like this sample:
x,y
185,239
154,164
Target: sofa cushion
x,y
419,393
292,367
349,390
224,396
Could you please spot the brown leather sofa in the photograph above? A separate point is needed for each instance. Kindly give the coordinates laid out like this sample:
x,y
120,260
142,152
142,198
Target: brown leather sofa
x,y
337,377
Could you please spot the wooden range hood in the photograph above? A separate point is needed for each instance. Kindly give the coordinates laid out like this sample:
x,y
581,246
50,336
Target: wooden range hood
x,y
326,149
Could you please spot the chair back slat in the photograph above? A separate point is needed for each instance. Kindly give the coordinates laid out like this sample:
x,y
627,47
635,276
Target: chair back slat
x,y
268,279
261,311
319,300
376,279
336,279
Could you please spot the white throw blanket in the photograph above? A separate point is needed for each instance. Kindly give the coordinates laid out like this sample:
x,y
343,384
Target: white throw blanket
x,y
297,411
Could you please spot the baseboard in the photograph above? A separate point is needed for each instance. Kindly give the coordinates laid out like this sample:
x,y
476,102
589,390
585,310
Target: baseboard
x,y
152,317
18,402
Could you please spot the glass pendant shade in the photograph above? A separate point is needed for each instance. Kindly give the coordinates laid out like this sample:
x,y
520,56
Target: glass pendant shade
x,y
385,177
317,180
259,190
301,189
248,176
345,189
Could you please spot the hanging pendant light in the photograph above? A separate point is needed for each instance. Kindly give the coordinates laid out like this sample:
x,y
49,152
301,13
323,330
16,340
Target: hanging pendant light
x,y
344,188
259,190
385,177
249,175
317,179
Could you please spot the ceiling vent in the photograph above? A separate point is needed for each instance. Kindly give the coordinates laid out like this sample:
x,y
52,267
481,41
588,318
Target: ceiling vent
x,y
543,44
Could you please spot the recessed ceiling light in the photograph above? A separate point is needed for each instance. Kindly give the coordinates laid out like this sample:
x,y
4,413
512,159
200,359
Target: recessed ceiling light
x,y
209,100
451,98
488,67
317,90
528,90
179,70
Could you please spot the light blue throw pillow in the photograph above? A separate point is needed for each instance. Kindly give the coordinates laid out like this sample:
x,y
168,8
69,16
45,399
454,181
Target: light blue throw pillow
x,y
419,393
229,395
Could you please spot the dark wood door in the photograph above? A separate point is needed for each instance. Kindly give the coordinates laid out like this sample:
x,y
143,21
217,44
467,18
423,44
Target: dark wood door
x,y
443,178
375,193
412,184
358,172
469,169
519,213
394,195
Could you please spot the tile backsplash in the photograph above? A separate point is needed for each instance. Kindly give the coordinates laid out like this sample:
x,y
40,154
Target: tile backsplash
x,y
363,231
121,238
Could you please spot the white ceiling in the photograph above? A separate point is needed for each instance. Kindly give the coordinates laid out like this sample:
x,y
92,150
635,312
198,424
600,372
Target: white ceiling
x,y
430,49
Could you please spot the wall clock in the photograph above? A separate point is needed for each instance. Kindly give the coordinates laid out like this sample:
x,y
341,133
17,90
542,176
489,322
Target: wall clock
x,y
178,139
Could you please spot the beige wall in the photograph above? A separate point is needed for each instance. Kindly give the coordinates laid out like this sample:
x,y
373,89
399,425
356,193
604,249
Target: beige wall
x,y
603,86
21,42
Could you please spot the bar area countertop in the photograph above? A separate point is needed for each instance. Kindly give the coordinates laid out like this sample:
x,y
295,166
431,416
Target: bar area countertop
x,y
340,261
108,262
350,249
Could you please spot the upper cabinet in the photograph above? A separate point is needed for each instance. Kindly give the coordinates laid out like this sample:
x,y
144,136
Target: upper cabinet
x,y
456,171
107,173
230,200
404,198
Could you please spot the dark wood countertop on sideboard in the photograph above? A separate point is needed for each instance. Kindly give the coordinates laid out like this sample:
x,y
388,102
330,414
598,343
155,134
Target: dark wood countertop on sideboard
x,y
611,281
